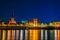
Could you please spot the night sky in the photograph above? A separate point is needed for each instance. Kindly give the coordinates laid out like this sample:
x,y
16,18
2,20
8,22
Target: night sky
x,y
45,10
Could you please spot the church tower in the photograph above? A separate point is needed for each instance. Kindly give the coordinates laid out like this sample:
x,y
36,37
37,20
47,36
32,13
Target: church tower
x,y
12,21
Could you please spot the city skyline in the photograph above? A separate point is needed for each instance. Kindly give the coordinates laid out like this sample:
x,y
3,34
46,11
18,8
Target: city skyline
x,y
44,10
12,18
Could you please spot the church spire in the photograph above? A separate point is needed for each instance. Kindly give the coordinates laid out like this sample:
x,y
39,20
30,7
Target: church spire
x,y
12,18
13,13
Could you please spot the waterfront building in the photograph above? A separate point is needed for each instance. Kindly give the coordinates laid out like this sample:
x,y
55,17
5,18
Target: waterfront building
x,y
57,32
0,30
34,34
10,23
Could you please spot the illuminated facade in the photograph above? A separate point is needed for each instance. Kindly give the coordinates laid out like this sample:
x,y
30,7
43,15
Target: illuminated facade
x,y
33,23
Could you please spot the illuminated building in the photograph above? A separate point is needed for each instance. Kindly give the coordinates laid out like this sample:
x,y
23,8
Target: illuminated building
x,y
1,31
44,25
26,32
33,23
57,23
12,22
34,34
4,32
57,32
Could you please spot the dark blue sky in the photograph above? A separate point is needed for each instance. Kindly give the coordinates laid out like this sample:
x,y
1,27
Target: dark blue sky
x,y
45,10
